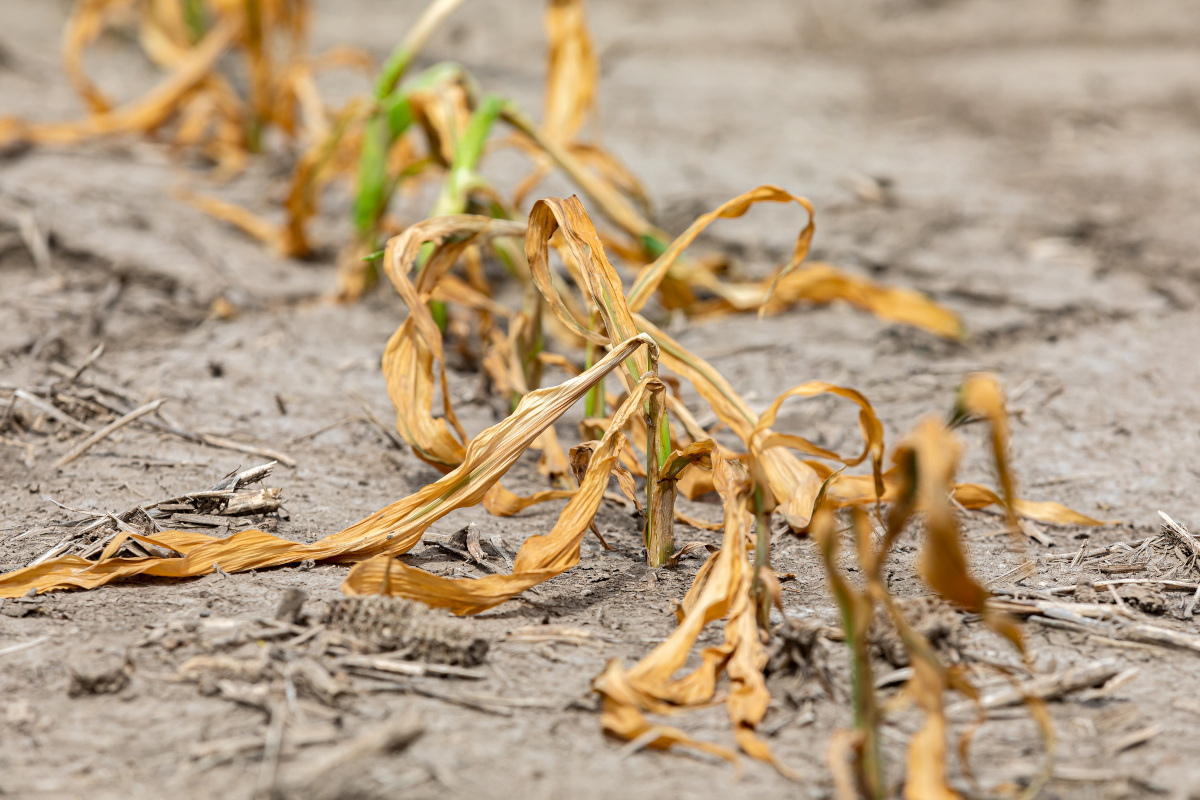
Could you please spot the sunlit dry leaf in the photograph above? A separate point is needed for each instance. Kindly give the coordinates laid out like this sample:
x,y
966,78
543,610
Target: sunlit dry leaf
x,y
571,70
693,274
539,559
793,483
87,21
821,284
981,395
606,293
412,352
250,223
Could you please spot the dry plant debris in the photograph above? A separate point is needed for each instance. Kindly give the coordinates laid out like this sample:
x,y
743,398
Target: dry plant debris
x,y
197,106
75,402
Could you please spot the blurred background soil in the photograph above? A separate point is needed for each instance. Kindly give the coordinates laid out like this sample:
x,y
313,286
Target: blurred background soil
x,y
1031,164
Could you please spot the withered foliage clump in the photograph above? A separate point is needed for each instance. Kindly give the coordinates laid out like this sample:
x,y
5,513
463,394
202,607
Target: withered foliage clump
x,y
645,432
238,70
574,300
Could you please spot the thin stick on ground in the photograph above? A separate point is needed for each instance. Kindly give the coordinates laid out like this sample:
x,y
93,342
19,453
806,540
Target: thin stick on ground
x,y
53,411
107,431
1045,687
252,449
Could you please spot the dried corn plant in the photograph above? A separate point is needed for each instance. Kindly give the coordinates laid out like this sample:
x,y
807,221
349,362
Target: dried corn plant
x,y
199,105
434,126
641,431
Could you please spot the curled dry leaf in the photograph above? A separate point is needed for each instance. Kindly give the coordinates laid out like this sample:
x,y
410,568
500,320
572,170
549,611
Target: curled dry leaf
x,y
722,589
539,559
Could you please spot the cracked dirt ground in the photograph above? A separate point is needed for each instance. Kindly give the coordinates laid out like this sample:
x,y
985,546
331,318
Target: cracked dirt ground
x,y
1030,164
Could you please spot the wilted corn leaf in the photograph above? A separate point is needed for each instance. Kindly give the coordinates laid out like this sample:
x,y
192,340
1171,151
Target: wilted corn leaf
x,y
571,70
140,116
87,21
540,557
926,779
793,483
860,490
393,530
820,284
416,346
189,38
606,196
265,231
981,395
722,589
606,293
922,480
693,273
872,430
927,748
930,457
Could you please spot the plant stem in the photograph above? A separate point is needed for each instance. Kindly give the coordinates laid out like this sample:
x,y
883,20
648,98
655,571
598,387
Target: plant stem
x,y
401,57
259,74
857,612
462,178
660,494
196,19
468,150
594,402
762,558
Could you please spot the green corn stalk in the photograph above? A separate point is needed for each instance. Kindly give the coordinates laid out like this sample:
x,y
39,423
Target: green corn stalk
x,y
196,19
391,119
857,611
468,150
258,102
594,402
462,178
402,56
